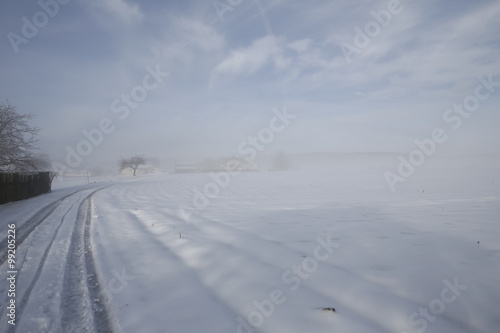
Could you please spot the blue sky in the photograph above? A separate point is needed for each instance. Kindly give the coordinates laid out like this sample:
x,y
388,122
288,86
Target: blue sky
x,y
231,63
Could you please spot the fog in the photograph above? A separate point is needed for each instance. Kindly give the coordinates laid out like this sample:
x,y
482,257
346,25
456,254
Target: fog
x,y
184,81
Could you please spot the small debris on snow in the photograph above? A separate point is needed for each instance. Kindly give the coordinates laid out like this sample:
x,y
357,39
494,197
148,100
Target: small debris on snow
x,y
328,309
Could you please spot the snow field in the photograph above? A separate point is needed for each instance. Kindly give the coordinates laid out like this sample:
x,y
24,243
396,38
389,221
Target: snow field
x,y
247,263
269,253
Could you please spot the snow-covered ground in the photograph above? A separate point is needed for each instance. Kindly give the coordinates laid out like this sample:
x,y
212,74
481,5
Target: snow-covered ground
x,y
261,252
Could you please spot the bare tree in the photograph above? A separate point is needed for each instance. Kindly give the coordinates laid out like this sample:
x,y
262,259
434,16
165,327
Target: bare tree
x,y
132,163
52,176
18,143
41,162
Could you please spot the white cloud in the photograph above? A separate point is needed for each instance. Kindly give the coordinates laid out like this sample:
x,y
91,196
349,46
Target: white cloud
x,y
200,35
188,47
125,11
250,59
422,56
301,45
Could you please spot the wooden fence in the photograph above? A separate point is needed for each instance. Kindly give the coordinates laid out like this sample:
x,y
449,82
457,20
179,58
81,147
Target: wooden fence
x,y
19,186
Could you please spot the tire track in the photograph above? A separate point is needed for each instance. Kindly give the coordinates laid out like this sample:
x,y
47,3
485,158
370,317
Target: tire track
x,y
102,320
84,304
27,293
27,228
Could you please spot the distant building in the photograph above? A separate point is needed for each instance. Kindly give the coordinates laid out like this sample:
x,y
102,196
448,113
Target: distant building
x,y
215,165
186,168
153,162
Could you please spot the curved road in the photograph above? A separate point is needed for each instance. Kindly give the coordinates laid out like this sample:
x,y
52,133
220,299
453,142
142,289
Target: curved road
x,y
57,282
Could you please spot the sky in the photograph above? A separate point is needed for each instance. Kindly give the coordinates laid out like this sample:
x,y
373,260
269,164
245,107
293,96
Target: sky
x,y
114,78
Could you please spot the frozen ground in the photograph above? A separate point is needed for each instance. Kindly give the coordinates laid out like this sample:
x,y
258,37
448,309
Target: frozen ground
x,y
268,253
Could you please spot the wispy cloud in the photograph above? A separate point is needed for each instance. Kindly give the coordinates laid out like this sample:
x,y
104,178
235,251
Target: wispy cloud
x,y
121,9
198,34
250,59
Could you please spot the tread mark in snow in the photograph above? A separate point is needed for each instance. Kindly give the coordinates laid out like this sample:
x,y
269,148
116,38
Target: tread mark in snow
x,y
83,303
27,294
26,229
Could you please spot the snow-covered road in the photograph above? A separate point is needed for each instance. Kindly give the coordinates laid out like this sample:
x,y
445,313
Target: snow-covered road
x,y
56,286
269,252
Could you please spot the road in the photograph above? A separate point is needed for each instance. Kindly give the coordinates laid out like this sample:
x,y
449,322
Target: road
x,y
54,251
